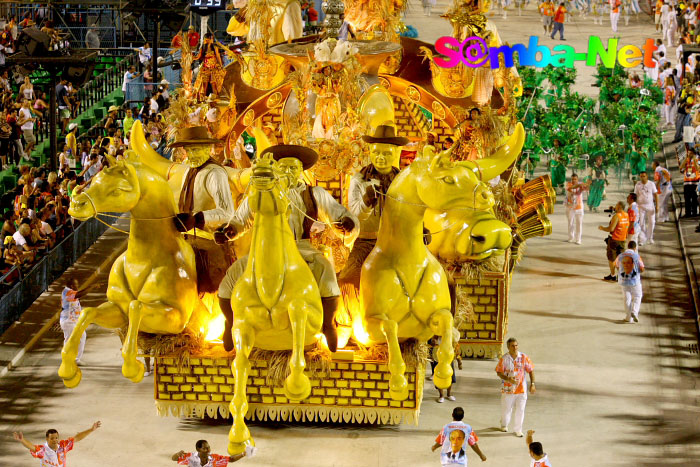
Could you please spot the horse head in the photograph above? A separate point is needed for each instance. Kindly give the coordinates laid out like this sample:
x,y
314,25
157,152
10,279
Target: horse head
x,y
113,189
265,196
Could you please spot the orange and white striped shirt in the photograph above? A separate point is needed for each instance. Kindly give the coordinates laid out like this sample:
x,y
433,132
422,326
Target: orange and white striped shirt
x,y
574,196
515,368
51,458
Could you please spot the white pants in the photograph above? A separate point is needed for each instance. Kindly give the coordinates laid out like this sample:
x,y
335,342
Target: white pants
x,y
663,204
668,114
67,327
614,18
647,221
507,403
632,296
575,218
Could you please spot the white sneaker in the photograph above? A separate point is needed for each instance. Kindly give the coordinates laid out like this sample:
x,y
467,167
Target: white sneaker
x,y
451,398
441,400
635,318
504,429
651,241
578,242
519,434
146,373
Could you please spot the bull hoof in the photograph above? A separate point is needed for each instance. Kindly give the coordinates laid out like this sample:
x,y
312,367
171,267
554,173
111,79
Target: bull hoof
x,y
133,371
398,388
239,448
443,376
442,383
74,380
297,389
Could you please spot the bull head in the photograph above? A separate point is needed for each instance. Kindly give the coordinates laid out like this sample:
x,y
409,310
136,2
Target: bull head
x,y
472,232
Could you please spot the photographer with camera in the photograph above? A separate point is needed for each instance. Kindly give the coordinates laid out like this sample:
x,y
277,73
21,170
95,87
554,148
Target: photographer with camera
x,y
618,228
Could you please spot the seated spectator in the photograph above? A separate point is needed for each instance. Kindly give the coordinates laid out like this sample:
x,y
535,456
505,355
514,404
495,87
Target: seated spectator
x,y
15,255
8,225
46,228
52,184
23,236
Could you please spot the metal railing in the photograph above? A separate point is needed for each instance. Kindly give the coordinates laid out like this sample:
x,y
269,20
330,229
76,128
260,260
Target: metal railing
x,y
91,92
16,298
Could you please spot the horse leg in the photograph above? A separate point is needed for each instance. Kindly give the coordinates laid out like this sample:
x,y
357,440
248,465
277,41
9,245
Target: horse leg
x,y
132,368
106,315
297,385
239,436
398,387
441,322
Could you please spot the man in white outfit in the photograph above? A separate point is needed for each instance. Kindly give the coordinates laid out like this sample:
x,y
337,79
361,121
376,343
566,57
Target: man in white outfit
x,y
662,179
70,313
511,369
630,267
574,208
648,202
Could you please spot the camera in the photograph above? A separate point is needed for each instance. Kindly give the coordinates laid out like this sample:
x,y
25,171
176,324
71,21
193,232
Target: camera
x,y
610,210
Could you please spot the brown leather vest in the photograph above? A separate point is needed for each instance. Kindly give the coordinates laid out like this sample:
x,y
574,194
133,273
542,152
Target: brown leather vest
x,y
311,211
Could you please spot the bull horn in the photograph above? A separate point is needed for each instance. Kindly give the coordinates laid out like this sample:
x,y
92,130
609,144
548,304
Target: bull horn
x,y
261,141
494,165
146,153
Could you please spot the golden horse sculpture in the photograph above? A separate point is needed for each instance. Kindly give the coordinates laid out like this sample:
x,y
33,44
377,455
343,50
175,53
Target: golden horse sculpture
x,y
153,284
276,301
403,288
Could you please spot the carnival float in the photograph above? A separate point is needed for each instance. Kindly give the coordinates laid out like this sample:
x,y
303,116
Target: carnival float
x,y
383,208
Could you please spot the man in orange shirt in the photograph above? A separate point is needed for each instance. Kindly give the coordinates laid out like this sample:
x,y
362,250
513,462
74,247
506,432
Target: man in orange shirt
x,y
547,10
614,13
559,17
618,228
511,369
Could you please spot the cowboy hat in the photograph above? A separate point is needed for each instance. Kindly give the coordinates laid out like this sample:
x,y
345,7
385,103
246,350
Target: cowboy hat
x,y
307,156
113,108
192,136
385,134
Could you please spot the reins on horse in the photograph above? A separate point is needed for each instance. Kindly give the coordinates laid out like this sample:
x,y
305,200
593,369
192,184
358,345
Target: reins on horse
x,y
97,213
